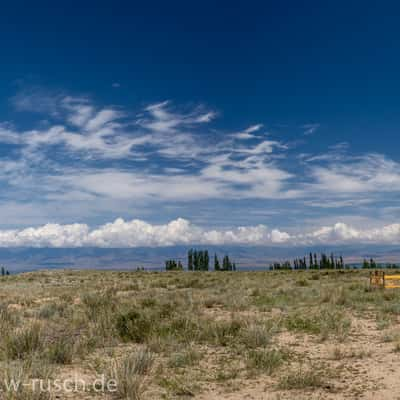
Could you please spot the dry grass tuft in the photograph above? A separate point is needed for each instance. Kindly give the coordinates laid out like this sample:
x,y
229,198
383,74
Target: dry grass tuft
x,y
130,374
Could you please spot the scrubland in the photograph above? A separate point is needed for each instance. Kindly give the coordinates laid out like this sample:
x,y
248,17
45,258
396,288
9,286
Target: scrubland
x,y
202,335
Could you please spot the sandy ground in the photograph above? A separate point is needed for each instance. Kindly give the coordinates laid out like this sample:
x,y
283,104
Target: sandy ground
x,y
369,368
363,364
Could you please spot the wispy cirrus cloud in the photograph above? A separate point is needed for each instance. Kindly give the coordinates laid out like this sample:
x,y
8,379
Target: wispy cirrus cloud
x,y
362,174
160,135
80,160
248,133
309,129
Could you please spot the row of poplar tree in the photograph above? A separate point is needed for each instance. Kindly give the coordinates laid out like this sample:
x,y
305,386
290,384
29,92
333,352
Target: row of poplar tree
x,y
372,264
313,262
173,265
199,260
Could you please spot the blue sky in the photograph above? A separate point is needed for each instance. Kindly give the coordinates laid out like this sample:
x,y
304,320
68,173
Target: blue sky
x,y
123,124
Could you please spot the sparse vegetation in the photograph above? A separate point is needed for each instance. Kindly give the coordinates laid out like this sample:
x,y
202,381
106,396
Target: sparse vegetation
x,y
302,379
267,361
130,373
177,334
21,343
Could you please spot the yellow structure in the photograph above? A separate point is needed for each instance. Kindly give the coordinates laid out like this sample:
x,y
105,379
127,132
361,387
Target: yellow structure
x,y
379,279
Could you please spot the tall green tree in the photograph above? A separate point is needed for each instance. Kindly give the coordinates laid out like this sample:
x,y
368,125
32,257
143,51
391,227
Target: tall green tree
x,y
217,267
225,263
196,264
201,260
190,260
206,260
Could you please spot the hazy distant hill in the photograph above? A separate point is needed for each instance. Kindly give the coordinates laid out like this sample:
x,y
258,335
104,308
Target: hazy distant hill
x,y
23,259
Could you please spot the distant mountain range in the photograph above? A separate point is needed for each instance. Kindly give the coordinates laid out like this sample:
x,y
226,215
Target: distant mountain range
x,y
246,257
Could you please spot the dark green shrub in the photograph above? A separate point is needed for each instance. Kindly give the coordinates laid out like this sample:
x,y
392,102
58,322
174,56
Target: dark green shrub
x,y
222,333
133,326
266,360
23,342
149,302
60,351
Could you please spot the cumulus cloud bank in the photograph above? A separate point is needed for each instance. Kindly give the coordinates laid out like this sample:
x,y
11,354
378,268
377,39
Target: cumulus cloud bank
x,y
138,233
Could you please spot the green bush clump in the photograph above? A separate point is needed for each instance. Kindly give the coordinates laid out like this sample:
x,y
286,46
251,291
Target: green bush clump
x,y
325,323
133,326
60,351
267,361
20,343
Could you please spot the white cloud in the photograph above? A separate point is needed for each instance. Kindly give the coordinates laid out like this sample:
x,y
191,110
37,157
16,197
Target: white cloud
x,y
108,133
8,135
264,147
87,162
79,110
162,118
134,233
99,136
50,235
101,119
202,169
343,233
138,233
309,129
247,133
368,173
221,179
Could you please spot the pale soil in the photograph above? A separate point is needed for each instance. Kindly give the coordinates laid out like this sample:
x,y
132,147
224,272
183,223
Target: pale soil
x,y
375,375
363,363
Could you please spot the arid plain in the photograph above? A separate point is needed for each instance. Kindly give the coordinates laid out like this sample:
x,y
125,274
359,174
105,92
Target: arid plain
x,y
227,335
